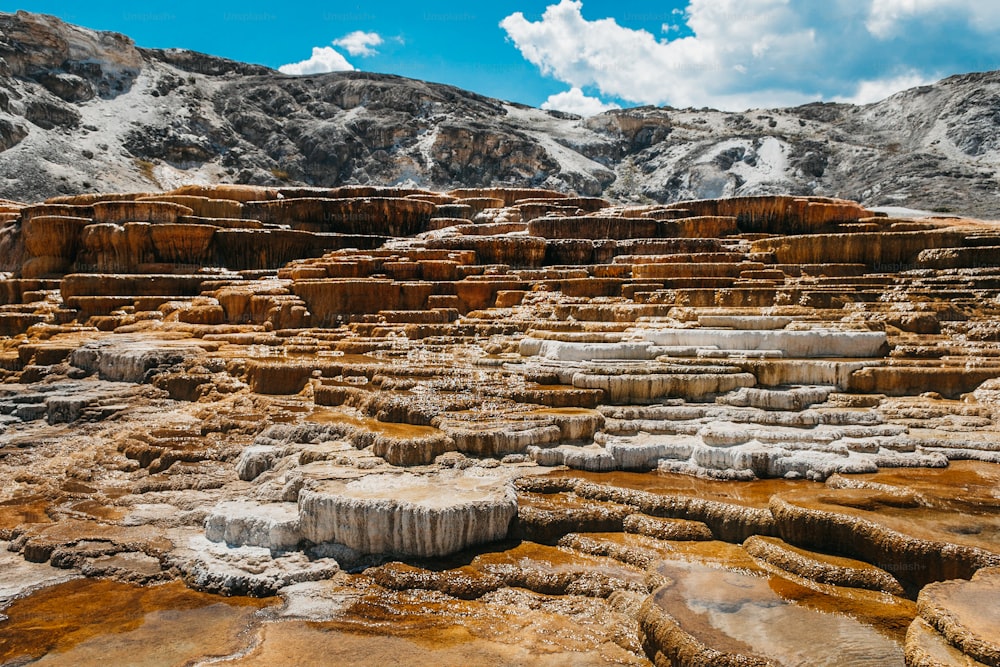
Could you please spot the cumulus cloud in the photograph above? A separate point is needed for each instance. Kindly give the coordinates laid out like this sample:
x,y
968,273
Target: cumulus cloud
x,y
324,59
739,54
359,43
327,59
873,91
575,101
888,18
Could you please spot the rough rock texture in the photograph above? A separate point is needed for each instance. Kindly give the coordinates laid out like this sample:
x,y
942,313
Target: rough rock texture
x,y
405,515
644,449
86,110
963,613
502,424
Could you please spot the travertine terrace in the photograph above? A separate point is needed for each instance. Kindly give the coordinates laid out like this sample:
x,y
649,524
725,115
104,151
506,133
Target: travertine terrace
x,y
504,425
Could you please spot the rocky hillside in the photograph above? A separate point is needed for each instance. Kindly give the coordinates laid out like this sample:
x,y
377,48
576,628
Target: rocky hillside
x,y
84,111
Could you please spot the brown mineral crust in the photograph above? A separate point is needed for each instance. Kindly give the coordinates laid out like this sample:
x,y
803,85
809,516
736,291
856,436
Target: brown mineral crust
x,y
329,299
53,235
667,529
241,193
464,583
202,206
524,251
509,196
89,199
490,229
956,258
287,376
369,215
728,521
965,614
65,618
44,266
903,381
827,570
892,250
925,647
112,248
585,204
667,644
226,223
182,244
913,559
479,204
39,542
436,198
555,571
777,214
256,249
21,511
146,210
405,445
94,284
69,210
596,227
283,344
355,192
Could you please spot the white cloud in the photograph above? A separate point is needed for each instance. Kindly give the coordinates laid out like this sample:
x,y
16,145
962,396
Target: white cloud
x,y
888,18
359,43
574,101
324,59
874,91
763,53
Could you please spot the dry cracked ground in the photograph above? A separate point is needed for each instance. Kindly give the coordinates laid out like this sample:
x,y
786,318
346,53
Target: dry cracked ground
x,y
258,426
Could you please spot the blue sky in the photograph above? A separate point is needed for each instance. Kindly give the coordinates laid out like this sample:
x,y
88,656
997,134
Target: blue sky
x,y
588,55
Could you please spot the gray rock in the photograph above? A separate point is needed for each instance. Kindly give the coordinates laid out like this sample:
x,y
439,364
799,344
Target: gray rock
x,y
933,147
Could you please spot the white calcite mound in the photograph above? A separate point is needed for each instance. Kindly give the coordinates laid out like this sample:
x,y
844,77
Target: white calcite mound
x,y
743,321
796,344
246,523
245,570
586,351
796,398
624,388
130,358
988,394
409,515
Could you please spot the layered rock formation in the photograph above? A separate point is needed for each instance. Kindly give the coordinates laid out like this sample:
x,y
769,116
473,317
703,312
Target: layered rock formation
x,y
484,400
89,111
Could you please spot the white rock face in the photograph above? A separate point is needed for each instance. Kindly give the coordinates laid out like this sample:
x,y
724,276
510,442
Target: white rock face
x,y
246,523
616,454
18,576
593,458
771,399
742,442
128,359
806,372
564,351
488,439
988,393
247,570
646,388
409,515
817,343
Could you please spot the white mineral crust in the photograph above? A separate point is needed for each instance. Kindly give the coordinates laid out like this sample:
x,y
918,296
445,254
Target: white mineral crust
x,y
407,514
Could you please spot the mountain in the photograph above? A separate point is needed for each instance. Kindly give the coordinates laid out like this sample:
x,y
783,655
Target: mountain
x,y
83,111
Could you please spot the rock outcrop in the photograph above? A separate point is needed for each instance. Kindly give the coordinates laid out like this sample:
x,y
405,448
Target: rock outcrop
x,y
85,111
703,421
